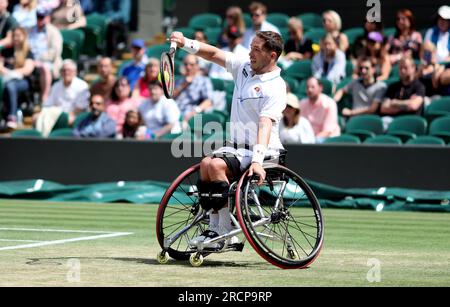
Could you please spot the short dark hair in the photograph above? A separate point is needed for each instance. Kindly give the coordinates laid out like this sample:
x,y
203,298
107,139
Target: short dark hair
x,y
273,41
257,6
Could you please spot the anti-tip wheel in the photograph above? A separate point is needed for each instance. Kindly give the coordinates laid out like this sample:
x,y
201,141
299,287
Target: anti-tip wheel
x,y
162,257
196,260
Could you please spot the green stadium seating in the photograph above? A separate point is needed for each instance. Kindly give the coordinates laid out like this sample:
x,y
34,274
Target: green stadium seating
x,y
199,122
365,126
80,117
187,32
247,20
212,34
278,19
62,133
311,20
408,127
349,69
229,86
315,34
218,84
327,88
62,122
427,140
384,139
438,107
285,34
300,70
204,21
440,127
343,139
353,34
293,83
389,32
30,133
98,21
95,34
229,100
184,136
156,50
73,43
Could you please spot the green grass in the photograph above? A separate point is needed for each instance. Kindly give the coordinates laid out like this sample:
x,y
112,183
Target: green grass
x,y
411,247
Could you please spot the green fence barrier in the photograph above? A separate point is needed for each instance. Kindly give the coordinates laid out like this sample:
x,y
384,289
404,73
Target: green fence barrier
x,y
151,192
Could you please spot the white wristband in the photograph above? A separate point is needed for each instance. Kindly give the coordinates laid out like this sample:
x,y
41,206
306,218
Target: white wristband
x,y
259,154
191,46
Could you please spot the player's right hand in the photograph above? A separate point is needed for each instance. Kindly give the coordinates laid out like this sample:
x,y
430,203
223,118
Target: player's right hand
x,y
178,38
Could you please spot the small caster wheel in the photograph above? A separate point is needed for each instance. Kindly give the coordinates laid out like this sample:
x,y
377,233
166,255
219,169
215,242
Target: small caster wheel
x,y
293,255
196,260
162,257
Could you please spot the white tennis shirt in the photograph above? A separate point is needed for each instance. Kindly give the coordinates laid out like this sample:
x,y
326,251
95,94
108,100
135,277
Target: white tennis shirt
x,y
255,96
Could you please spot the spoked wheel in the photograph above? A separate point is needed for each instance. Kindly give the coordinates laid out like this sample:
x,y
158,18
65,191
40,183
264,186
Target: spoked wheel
x,y
281,219
180,217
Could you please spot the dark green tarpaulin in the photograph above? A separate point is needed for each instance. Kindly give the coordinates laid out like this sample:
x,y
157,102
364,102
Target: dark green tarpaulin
x,y
151,192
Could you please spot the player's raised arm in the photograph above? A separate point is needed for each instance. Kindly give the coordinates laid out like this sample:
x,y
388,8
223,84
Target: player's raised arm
x,y
208,52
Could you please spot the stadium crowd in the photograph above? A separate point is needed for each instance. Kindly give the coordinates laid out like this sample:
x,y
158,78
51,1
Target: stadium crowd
x,y
332,75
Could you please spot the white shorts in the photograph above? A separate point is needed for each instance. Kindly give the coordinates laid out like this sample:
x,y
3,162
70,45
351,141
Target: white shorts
x,y
245,156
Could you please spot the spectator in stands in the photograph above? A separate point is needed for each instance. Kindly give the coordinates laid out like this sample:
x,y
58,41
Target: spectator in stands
x,y
367,93
234,38
376,51
430,71
141,90
133,127
297,47
104,85
332,23
121,102
48,5
320,110
294,128
16,67
234,19
407,95
70,93
97,124
160,115
205,65
406,41
439,35
119,14
136,68
69,15
7,24
46,44
330,62
258,12
193,93
25,13
358,49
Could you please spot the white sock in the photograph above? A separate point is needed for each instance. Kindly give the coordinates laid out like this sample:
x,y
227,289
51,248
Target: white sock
x,y
213,221
224,219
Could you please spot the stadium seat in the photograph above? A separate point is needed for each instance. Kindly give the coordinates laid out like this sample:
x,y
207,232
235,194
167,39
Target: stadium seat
x,y
80,117
184,136
61,133
30,133
187,32
408,127
212,34
384,139
293,83
353,34
365,126
218,84
349,69
204,21
285,34
229,86
327,88
438,107
73,43
427,140
311,20
343,139
280,20
223,115
62,122
300,70
247,20
229,101
156,50
440,127
95,34
389,32
315,34
199,122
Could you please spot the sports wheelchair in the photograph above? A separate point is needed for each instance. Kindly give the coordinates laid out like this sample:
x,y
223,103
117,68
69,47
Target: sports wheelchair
x,y
281,219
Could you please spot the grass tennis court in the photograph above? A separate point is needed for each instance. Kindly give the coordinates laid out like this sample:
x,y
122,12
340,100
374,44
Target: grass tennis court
x,y
114,245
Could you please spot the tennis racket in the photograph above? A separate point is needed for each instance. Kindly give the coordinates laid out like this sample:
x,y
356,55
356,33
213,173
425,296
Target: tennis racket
x,y
167,70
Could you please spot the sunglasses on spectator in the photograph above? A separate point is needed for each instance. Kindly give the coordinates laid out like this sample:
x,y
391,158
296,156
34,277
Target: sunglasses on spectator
x,y
256,14
364,68
97,102
190,64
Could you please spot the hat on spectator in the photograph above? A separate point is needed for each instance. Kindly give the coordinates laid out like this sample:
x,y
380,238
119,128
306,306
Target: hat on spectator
x,y
376,37
444,12
138,43
43,12
292,101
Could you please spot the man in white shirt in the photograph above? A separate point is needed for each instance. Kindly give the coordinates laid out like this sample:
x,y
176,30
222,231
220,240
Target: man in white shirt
x,y
258,103
161,116
258,12
71,93
234,45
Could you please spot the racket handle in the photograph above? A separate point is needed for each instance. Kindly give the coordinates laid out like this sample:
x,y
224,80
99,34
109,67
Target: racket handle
x,y
173,47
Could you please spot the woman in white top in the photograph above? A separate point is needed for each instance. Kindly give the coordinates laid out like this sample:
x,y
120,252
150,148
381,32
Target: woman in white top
x,y
293,127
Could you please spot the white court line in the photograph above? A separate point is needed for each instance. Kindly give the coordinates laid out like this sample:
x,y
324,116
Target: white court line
x,y
104,235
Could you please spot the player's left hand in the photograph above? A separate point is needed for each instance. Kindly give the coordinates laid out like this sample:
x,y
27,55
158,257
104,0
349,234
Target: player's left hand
x,y
257,170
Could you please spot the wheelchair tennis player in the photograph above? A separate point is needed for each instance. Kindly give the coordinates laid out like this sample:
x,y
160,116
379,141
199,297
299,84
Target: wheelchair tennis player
x,y
259,100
